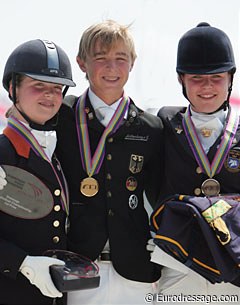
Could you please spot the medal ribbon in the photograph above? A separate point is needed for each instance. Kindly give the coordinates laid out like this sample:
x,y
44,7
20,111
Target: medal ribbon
x,y
224,147
26,134
93,164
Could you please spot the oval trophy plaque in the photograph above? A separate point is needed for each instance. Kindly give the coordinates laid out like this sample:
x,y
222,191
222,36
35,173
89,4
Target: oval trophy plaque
x,y
25,195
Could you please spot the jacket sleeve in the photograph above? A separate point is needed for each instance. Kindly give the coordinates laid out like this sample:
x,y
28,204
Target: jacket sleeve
x,y
11,258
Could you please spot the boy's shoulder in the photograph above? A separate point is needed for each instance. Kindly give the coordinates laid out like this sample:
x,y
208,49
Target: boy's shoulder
x,y
171,111
146,117
70,100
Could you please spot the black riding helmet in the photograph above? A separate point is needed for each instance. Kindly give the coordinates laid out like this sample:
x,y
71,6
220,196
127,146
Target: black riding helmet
x,y
39,59
42,60
205,50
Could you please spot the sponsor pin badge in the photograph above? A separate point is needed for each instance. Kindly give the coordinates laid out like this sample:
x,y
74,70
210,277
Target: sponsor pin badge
x,y
131,184
133,202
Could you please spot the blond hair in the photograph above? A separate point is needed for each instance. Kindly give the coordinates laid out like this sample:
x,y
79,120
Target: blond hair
x,y
107,33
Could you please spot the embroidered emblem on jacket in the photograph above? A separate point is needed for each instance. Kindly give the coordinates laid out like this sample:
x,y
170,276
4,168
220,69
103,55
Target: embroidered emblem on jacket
x,y
136,163
232,162
132,137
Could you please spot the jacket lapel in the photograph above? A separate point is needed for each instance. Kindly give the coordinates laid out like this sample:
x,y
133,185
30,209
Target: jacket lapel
x,y
34,162
178,132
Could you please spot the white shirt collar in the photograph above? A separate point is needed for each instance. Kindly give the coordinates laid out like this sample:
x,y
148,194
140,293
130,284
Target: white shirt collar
x,y
46,139
104,112
204,117
208,126
98,103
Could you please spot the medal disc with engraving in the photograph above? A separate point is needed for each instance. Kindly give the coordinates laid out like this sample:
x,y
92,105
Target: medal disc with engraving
x,y
25,195
210,187
89,187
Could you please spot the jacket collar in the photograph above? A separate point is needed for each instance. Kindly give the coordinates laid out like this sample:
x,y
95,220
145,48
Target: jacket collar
x,y
21,146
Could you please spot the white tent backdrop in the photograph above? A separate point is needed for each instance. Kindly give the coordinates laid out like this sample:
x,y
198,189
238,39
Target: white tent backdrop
x,y
156,26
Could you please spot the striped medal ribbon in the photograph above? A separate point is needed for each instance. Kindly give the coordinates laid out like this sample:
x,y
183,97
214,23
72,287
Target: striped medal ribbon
x,y
89,186
210,187
26,134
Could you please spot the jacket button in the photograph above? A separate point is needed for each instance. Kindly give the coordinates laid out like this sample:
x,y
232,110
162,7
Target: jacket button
x,y
110,140
133,114
57,192
109,177
6,271
56,223
57,208
109,157
197,191
55,239
198,170
109,194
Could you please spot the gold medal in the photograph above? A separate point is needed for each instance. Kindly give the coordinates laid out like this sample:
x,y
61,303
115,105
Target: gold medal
x,y
89,187
210,187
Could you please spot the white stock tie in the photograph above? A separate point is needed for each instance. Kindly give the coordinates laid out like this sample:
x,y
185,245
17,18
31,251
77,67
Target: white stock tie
x,y
208,128
104,114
